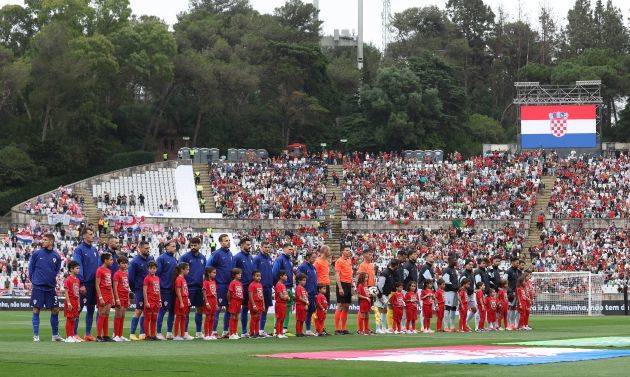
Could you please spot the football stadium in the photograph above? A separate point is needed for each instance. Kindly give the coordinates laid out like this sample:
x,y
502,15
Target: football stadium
x,y
314,188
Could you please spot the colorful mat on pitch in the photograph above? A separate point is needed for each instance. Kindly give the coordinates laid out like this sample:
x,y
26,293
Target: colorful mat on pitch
x,y
480,354
608,341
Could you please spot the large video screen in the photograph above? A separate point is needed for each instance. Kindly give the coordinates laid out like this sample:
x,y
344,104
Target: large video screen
x,y
563,126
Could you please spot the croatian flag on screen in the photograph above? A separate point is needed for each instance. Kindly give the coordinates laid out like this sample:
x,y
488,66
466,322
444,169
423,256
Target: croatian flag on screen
x,y
571,126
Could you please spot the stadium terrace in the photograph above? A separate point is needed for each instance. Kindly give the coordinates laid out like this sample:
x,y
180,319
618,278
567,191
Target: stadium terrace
x,y
460,238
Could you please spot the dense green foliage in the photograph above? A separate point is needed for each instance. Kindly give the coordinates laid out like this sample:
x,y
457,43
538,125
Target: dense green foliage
x,y
82,81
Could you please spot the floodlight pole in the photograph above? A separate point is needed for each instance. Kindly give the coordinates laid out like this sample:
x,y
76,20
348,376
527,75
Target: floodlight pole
x,y
360,36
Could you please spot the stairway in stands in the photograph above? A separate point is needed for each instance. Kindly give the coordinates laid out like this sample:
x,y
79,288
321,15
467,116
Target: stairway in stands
x,y
91,212
542,200
5,225
335,223
207,190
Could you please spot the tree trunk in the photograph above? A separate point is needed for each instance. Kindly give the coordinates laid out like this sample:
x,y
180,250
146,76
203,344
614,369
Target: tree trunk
x,y
153,126
46,122
28,111
197,127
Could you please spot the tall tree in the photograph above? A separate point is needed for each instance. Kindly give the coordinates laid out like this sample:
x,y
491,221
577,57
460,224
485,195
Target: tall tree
x,y
14,78
301,19
221,6
621,131
17,28
598,23
145,49
614,34
547,32
427,28
300,81
110,15
580,30
77,15
474,19
56,74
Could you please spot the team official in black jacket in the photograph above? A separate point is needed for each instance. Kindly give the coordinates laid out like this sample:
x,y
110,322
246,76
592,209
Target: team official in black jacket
x,y
495,273
513,274
427,272
451,281
385,283
481,275
469,274
410,270
400,272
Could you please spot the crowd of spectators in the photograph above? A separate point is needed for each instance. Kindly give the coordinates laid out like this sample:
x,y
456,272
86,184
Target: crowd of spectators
x,y
591,187
562,248
386,186
280,188
603,251
305,239
383,186
61,201
15,253
128,205
465,242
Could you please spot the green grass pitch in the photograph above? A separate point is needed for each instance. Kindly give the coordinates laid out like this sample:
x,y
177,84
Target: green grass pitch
x,y
19,356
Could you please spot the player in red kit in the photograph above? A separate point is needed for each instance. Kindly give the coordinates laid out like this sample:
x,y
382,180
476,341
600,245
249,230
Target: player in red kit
x,y
462,295
281,297
235,301
121,298
71,303
481,306
365,304
523,303
152,301
301,305
105,294
210,302
491,310
411,307
182,301
531,295
439,301
256,304
397,299
428,298
503,305
322,308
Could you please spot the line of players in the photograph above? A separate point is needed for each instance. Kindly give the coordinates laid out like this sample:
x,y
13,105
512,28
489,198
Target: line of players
x,y
241,285
475,294
169,286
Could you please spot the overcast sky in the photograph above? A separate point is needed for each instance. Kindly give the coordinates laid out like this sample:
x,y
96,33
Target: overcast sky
x,y
342,14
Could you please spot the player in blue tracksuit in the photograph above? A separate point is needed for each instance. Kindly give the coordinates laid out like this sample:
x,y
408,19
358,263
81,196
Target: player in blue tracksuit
x,y
165,271
194,279
43,268
221,260
284,262
308,269
245,262
88,259
138,270
112,248
263,263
